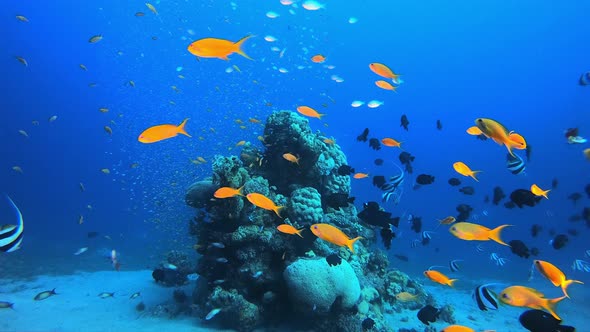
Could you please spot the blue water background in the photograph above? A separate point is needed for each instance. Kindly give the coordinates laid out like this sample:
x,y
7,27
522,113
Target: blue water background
x,y
517,62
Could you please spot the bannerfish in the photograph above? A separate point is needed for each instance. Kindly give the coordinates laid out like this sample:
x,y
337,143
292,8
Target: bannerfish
x,y
515,164
485,298
11,236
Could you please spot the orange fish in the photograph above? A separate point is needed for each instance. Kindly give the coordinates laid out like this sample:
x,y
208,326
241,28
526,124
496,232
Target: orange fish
x,y
447,221
227,192
217,48
162,132
308,111
474,130
391,142
329,141
474,232
383,71
333,235
360,175
288,229
385,85
457,328
554,275
406,297
318,58
264,202
464,170
539,192
439,278
290,157
494,130
520,296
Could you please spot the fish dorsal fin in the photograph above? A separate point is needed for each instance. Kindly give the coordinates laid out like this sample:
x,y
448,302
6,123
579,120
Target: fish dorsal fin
x,y
534,291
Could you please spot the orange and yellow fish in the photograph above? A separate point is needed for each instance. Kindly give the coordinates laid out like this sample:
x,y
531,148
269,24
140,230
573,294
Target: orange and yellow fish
x,y
497,132
308,111
385,85
554,275
162,132
474,130
474,232
227,192
291,157
439,277
520,296
464,170
539,192
288,229
383,71
334,235
318,58
217,48
391,142
360,175
264,202
457,328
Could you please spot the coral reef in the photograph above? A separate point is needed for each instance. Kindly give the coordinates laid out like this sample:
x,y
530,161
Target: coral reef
x,y
257,276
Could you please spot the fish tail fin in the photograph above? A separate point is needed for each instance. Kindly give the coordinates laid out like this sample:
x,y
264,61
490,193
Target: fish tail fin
x,y
350,243
452,282
53,292
299,232
545,192
238,46
181,129
551,306
495,234
320,115
277,210
240,191
566,284
473,175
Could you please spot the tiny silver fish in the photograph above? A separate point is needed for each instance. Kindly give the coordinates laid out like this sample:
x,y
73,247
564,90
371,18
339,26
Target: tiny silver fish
x,y
221,260
104,295
134,295
212,313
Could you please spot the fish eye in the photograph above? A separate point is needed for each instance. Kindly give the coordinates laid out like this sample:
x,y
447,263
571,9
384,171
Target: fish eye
x,y
505,295
315,227
453,228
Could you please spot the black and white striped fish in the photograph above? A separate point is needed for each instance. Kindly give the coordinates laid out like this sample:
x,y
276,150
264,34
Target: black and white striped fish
x,y
485,298
454,266
11,236
515,164
391,189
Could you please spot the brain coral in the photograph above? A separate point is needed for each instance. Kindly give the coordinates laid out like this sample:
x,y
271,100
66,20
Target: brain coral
x,y
305,206
313,283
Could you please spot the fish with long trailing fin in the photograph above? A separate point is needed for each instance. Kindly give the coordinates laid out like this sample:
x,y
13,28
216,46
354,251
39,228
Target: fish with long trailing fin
x,y
393,188
515,164
11,236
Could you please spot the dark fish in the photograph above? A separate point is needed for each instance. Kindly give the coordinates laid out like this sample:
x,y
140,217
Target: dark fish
x,y
571,132
363,137
464,212
587,190
401,257
92,235
522,197
6,305
454,266
559,241
555,182
409,168
515,164
467,190
378,161
44,295
485,298
428,314
498,195
438,125
11,236
338,200
333,259
416,224
387,235
584,79
536,229
454,182
575,197
540,321
368,324
586,215
529,150
373,215
345,170
378,181
375,144
519,248
424,179
404,122
406,157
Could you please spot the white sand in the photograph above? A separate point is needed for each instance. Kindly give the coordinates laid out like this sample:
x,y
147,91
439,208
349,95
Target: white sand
x,y
78,307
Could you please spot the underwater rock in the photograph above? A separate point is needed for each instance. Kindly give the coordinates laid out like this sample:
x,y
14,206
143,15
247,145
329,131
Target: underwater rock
x,y
314,283
305,206
199,193
237,313
169,277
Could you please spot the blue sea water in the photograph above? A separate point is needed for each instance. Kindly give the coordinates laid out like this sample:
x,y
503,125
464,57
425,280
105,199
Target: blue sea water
x,y
514,61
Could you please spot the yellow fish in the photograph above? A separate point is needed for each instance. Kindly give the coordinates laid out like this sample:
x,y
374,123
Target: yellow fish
x,y
162,132
217,48
464,170
539,192
520,296
439,278
334,235
554,275
474,232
